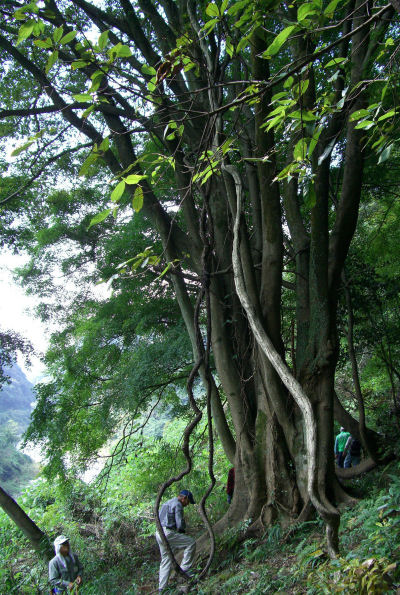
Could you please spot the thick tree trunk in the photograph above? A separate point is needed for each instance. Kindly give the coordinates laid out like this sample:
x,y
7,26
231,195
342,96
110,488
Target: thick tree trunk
x,y
37,538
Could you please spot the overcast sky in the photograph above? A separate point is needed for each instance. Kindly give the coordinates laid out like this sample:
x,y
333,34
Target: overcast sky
x,y
17,312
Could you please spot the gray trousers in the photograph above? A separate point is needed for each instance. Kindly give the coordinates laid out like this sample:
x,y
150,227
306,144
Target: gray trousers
x,y
177,541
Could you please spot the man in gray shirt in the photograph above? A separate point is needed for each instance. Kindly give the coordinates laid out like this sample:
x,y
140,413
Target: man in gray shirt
x,y
65,569
173,523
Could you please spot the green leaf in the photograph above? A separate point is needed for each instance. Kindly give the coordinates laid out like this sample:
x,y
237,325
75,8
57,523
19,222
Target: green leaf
x,y
335,62
79,64
226,145
388,114
90,159
288,83
314,141
330,9
238,6
134,179
68,37
105,144
82,97
300,88
300,150
124,52
242,43
88,111
306,10
385,153
38,29
209,26
58,33
278,96
99,217
310,202
102,41
44,43
275,121
19,15
301,115
224,6
278,110
230,50
118,191
120,51
358,114
165,271
22,148
365,125
146,69
51,61
137,201
25,31
278,42
212,10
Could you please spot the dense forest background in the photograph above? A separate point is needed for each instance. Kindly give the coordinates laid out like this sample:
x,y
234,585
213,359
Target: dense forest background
x,y
207,195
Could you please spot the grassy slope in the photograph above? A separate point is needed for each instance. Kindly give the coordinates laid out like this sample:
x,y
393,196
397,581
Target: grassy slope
x,y
297,563
121,556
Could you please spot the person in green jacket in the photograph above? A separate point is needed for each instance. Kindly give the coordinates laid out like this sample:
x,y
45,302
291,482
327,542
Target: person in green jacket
x,y
340,444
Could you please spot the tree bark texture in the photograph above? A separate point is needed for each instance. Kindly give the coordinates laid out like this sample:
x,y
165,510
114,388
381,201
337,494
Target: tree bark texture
x,y
36,537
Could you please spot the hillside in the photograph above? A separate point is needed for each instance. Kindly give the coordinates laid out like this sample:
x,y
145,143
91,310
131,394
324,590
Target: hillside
x,y
16,398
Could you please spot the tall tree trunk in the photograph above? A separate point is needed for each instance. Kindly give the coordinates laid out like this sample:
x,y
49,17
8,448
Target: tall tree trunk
x,y
37,538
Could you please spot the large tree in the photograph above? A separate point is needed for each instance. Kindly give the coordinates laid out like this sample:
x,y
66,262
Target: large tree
x,y
239,130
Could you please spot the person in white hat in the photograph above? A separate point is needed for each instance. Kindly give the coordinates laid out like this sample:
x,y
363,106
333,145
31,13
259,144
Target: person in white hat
x,y
173,523
65,569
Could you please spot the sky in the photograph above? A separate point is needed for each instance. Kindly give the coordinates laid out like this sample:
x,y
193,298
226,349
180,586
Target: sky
x,y
17,313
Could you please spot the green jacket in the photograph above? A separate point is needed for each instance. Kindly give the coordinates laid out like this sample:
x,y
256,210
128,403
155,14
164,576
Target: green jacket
x,y
340,442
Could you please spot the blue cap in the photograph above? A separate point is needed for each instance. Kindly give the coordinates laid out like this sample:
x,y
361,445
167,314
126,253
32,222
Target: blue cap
x,y
188,494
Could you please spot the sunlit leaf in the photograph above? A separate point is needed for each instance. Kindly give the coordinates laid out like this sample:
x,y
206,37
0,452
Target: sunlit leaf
x,y
68,37
25,31
137,201
212,10
278,41
134,179
99,217
58,33
118,191
51,61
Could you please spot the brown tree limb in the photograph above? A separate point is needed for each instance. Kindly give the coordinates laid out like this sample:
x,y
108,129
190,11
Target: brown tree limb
x,y
36,537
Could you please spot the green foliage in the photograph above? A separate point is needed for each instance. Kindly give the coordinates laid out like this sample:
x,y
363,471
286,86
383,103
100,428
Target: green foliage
x,y
354,576
112,525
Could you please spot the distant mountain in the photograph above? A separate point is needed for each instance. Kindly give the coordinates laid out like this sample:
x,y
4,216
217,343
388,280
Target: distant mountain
x,y
16,399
